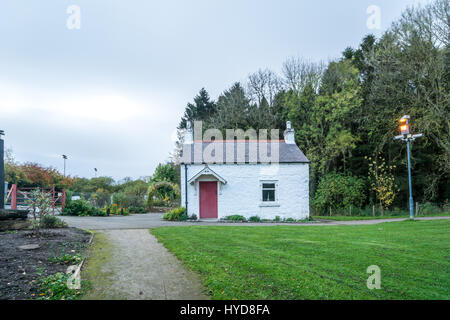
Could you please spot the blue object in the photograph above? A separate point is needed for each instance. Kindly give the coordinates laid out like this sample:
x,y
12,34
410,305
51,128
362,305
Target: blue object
x,y
411,202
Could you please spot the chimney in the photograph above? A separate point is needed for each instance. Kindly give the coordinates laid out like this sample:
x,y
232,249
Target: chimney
x,y
188,134
289,136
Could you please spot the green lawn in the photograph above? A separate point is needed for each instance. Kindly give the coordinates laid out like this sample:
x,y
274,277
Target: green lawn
x,y
349,218
317,262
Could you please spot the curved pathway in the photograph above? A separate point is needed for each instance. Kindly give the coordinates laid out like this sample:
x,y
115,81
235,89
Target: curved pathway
x,y
135,266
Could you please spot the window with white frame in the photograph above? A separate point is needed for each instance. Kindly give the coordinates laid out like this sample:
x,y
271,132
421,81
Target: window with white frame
x,y
269,191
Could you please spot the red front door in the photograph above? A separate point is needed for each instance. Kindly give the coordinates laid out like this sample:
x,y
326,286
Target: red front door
x,y
208,199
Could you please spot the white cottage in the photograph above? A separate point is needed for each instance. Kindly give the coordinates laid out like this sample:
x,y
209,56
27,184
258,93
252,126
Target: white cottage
x,y
223,178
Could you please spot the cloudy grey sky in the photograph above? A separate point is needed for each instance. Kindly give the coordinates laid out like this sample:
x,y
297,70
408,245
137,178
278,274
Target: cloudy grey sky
x,y
110,94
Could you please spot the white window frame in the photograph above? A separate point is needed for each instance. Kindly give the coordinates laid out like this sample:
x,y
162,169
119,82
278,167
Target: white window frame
x,y
263,203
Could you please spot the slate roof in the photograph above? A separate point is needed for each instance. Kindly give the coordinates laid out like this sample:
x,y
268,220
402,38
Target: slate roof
x,y
288,153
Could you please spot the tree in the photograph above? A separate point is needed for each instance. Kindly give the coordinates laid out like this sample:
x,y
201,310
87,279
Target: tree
x,y
409,75
263,85
382,181
164,172
202,109
162,193
40,204
232,109
105,183
339,191
324,121
299,72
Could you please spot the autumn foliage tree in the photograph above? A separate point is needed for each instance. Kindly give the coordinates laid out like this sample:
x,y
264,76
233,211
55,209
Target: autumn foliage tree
x,y
32,174
382,181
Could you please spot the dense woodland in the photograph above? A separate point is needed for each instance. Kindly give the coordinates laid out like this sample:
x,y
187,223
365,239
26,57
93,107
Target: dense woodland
x,y
345,113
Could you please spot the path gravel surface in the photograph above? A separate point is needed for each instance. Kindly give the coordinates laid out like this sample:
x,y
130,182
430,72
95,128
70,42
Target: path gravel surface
x,y
141,268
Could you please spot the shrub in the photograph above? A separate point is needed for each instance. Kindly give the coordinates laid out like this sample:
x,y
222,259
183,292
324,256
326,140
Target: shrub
x,y
193,217
81,208
235,218
134,209
51,222
339,191
254,219
162,192
429,208
125,200
446,207
277,219
289,220
69,195
67,259
177,214
40,203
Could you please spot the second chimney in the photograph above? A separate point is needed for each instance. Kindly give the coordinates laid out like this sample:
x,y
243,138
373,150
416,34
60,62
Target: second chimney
x,y
289,134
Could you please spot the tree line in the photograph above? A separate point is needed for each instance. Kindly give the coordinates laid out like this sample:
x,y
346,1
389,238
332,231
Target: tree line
x,y
346,111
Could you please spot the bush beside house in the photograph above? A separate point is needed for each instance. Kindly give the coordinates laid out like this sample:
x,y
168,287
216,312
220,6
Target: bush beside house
x,y
177,214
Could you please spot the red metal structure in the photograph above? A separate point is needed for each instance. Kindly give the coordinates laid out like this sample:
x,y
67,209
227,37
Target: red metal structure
x,y
208,200
22,197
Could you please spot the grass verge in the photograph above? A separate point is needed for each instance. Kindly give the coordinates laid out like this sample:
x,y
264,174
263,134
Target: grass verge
x,y
95,272
328,262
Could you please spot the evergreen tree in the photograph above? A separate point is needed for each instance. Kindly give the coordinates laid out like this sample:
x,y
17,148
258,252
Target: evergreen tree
x,y
202,109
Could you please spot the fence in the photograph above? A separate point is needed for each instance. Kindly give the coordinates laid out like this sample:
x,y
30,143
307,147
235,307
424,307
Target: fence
x,y
374,211
22,197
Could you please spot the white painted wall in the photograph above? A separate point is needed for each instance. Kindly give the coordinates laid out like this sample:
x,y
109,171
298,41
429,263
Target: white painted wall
x,y
243,192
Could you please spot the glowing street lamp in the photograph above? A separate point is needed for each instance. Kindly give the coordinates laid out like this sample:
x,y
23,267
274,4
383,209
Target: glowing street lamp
x,y
407,137
404,124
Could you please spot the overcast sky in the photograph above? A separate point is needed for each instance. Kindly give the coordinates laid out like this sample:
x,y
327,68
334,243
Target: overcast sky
x,y
110,94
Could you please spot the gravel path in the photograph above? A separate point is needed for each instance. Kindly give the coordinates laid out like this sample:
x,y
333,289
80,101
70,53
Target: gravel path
x,y
153,220
141,268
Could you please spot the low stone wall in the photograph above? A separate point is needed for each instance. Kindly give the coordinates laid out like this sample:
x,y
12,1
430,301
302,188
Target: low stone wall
x,y
13,219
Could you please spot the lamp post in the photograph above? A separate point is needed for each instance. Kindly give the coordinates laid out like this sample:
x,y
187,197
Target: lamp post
x,y
2,171
65,158
95,172
407,137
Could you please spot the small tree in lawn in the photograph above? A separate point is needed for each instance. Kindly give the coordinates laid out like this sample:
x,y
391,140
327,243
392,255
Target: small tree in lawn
x,y
382,181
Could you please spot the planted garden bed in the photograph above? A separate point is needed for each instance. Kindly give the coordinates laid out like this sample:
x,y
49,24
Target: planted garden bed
x,y
22,270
